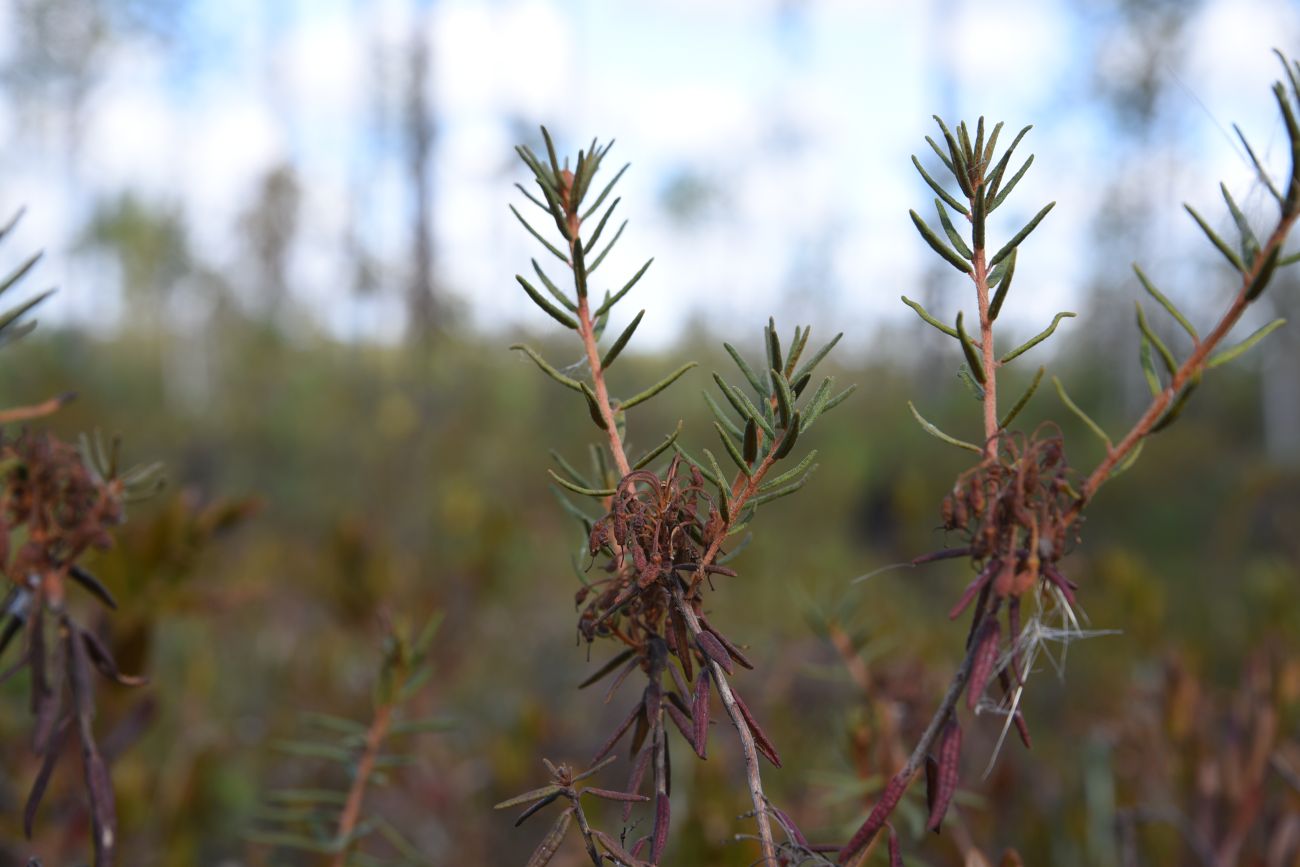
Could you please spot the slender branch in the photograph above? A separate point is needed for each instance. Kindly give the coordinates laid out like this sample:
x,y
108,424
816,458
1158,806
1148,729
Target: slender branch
x,y
587,331
38,410
356,794
917,759
991,425
753,776
584,828
586,328
1188,371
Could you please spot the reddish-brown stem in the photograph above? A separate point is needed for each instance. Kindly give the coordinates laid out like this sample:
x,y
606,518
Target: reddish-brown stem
x,y
990,364
365,766
742,490
1191,368
39,410
586,329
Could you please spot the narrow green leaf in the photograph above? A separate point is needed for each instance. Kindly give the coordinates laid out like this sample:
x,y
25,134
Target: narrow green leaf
x,y
13,221
949,255
938,151
994,178
1249,243
1222,245
1023,401
761,499
530,197
550,152
621,342
796,350
332,723
1259,168
751,442
545,243
313,750
1008,266
20,272
992,145
1164,302
1288,260
308,796
1263,275
744,406
938,434
600,227
1165,355
659,449
1021,235
1129,461
979,215
550,309
953,235
839,398
929,320
618,296
733,451
972,354
553,289
545,179
726,558
1176,409
760,388
659,386
1148,367
593,406
1293,134
1011,184
572,471
961,172
608,247
1083,416
773,346
968,380
14,313
717,471
784,397
789,439
1226,355
580,271
605,192
939,190
566,381
721,416
809,365
579,489
1038,338
708,473
788,475
977,150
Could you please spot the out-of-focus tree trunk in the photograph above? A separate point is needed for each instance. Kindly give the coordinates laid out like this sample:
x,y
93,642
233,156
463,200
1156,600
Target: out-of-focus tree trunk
x,y
418,132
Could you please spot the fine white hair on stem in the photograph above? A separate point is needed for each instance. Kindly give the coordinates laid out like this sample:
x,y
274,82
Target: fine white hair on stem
x,y
1036,639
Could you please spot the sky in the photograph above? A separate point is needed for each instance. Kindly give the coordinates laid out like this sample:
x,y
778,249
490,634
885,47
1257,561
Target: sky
x,y
789,126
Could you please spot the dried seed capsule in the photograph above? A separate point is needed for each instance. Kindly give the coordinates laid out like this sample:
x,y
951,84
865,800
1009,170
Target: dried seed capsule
x,y
986,654
947,768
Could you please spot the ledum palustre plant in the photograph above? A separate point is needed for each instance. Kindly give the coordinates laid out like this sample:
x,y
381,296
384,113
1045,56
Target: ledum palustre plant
x,y
664,522
58,502
1018,510
332,822
660,535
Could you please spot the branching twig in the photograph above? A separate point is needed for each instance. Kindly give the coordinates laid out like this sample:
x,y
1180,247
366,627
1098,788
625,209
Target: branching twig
x,y
351,813
1188,371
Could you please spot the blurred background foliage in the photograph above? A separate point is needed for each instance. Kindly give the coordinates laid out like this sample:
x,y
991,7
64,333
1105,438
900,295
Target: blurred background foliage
x,y
318,482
